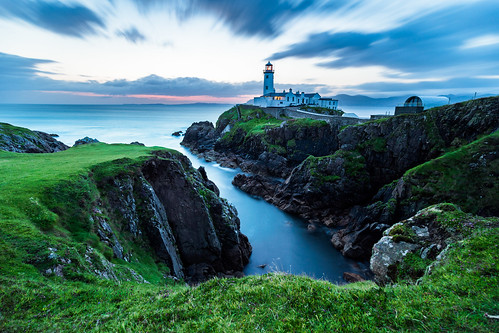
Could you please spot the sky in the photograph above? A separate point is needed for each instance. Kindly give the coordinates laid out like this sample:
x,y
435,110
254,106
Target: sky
x,y
188,51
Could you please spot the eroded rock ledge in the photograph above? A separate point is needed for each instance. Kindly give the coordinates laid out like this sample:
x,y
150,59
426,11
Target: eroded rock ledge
x,y
178,213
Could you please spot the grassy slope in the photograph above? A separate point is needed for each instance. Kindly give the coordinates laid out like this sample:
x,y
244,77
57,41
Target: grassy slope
x,y
455,297
454,177
45,203
254,123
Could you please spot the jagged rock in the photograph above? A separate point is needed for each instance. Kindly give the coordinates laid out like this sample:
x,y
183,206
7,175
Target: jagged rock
x,y
200,136
177,211
136,143
121,199
386,254
177,133
106,233
22,140
84,141
425,234
321,187
157,228
256,185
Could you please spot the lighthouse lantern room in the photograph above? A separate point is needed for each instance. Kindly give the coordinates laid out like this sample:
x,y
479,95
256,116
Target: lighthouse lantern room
x,y
268,79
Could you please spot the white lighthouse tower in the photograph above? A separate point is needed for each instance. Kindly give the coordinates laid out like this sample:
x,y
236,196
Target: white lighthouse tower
x,y
268,79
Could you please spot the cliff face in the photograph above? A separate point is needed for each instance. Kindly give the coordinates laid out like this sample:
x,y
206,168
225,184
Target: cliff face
x,y
171,207
344,181
23,140
259,143
376,153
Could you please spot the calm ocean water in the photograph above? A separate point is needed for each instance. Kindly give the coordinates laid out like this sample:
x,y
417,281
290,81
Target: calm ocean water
x,y
279,240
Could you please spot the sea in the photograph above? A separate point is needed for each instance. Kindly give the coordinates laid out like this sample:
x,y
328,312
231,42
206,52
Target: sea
x,y
281,242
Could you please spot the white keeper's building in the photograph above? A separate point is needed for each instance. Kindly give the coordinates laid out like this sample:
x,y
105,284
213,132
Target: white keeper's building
x,y
288,98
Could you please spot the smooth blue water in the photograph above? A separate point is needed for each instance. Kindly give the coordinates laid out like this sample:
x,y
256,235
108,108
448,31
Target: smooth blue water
x,y
279,240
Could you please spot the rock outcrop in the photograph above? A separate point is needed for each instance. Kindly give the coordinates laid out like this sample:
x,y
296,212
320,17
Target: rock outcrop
x,y
259,143
178,213
467,177
85,140
23,140
408,248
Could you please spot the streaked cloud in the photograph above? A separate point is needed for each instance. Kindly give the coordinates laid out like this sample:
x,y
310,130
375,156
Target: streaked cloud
x,y
131,34
261,18
428,43
73,20
194,49
481,41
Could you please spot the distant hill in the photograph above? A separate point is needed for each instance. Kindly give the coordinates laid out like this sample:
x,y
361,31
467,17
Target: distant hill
x,y
429,101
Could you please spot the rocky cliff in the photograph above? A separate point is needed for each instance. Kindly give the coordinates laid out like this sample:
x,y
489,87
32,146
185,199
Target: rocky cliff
x,y
376,153
466,177
177,212
259,143
349,177
23,140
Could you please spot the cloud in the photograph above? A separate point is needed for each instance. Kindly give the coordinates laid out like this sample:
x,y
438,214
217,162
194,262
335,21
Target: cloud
x,y
21,74
261,18
131,34
428,43
183,86
16,73
456,84
70,20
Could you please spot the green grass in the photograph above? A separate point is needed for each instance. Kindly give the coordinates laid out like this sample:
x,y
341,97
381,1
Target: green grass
x,y
27,175
306,122
454,297
45,202
321,110
461,177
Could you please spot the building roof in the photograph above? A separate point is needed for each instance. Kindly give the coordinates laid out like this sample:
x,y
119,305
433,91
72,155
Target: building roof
x,y
327,99
311,95
413,101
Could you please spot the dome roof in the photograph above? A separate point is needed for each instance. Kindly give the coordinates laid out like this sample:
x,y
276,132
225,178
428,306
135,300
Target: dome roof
x,y
413,101
268,64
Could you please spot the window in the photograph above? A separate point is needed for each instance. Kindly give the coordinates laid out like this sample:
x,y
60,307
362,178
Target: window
x,y
287,98
267,76
266,87
293,99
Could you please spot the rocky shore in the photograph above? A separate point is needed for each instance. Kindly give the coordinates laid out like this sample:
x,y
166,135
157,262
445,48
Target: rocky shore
x,y
362,178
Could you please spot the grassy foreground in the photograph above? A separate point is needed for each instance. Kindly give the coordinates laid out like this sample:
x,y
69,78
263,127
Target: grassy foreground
x,y
455,297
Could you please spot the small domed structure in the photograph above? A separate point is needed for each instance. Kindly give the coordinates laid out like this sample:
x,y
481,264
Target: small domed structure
x,y
413,104
413,101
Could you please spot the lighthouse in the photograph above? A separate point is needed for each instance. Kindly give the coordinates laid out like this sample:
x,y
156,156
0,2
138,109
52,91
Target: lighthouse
x,y
268,79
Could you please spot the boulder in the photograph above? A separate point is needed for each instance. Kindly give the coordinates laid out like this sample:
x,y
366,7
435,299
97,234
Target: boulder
x,y
84,141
